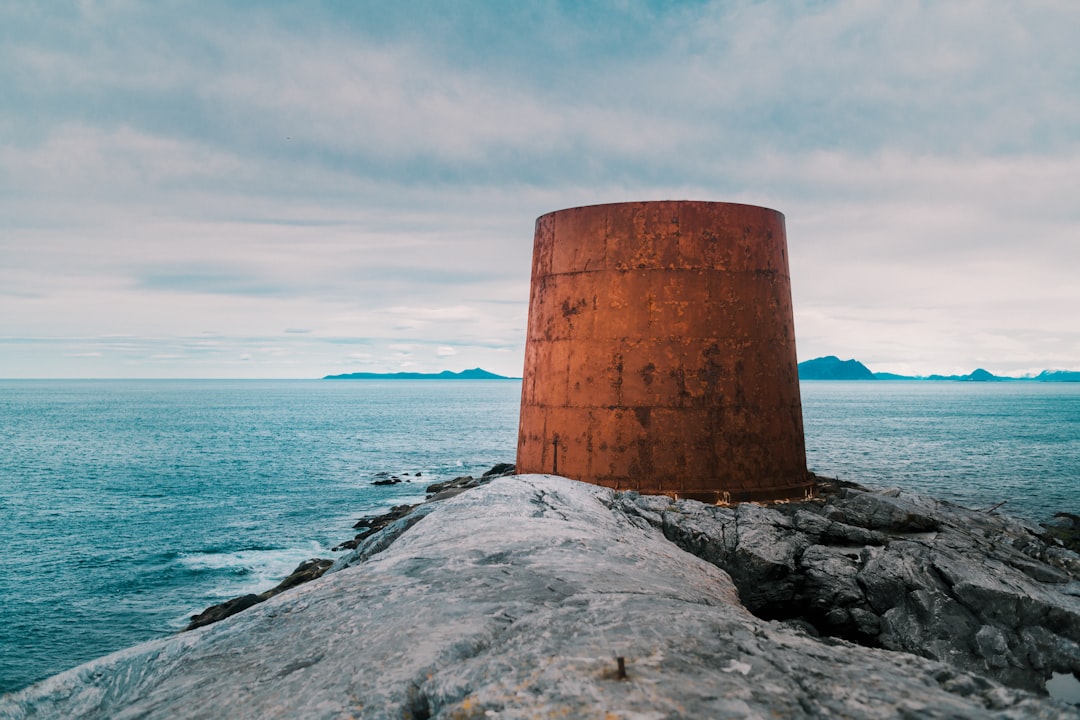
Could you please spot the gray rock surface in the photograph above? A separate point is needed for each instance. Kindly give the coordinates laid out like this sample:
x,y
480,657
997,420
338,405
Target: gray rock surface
x,y
513,600
985,593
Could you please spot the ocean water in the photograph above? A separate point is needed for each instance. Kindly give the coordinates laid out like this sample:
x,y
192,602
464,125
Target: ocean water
x,y
977,444
127,506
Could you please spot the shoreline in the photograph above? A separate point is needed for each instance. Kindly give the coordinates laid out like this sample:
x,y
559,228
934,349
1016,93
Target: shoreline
x,y
314,568
1063,530
821,574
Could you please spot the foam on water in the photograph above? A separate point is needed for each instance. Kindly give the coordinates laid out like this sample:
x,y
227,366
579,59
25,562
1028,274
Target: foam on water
x,y
248,571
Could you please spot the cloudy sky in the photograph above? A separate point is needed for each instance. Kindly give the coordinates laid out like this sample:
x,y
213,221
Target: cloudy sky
x,y
238,189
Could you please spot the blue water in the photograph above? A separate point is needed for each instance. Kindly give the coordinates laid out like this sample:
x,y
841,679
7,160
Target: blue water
x,y
977,444
127,506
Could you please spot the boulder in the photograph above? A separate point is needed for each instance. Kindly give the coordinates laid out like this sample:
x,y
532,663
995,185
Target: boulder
x,y
387,481
223,610
500,470
463,481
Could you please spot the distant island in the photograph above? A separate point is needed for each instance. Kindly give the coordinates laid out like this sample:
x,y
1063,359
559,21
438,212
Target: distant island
x,y
474,374
833,368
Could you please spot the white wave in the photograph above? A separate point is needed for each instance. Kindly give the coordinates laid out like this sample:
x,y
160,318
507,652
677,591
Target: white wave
x,y
251,571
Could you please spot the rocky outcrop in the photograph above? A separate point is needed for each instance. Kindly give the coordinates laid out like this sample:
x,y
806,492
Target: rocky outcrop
x,y
1064,529
519,598
983,593
443,490
371,525
436,492
304,572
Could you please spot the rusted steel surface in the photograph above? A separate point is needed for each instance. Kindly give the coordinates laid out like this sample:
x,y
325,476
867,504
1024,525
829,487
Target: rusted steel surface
x,y
660,354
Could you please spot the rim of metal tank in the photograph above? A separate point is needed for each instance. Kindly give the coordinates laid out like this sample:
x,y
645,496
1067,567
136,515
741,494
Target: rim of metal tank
x,y
657,202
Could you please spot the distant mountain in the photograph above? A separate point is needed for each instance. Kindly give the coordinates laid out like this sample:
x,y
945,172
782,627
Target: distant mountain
x,y
822,368
833,368
978,375
1058,376
474,374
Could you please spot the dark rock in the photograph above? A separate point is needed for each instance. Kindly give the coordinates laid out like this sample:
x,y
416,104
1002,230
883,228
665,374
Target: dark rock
x,y
223,610
375,524
1064,530
501,469
447,493
304,572
880,511
463,481
983,592
468,481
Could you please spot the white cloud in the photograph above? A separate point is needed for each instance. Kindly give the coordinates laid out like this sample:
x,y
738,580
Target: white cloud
x,y
365,172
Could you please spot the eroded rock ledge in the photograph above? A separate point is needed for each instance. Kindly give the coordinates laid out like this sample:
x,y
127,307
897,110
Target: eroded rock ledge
x,y
514,600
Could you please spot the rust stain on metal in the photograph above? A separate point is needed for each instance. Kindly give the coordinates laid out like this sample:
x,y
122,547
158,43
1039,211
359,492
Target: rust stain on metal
x,y
660,354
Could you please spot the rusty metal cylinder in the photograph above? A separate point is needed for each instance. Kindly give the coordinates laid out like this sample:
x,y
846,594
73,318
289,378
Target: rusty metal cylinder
x,y
660,354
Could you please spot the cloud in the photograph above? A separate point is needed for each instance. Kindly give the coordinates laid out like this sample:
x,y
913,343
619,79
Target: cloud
x,y
370,173
575,94
211,280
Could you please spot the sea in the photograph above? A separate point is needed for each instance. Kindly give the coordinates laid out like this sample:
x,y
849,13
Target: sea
x,y
126,506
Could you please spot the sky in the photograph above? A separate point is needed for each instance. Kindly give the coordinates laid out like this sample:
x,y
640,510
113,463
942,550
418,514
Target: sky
x,y
289,190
